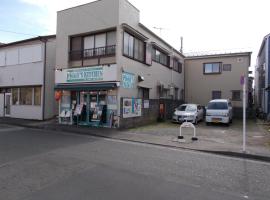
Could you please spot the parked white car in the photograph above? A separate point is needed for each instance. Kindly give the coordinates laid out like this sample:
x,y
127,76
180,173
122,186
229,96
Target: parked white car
x,y
219,111
188,112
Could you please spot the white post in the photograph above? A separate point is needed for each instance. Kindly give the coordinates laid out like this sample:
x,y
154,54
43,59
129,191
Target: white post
x,y
244,114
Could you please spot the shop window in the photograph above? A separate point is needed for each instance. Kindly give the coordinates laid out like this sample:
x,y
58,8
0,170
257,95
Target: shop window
x,y
37,96
236,95
15,96
26,96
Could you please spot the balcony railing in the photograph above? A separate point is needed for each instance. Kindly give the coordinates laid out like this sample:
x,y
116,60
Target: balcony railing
x,y
92,53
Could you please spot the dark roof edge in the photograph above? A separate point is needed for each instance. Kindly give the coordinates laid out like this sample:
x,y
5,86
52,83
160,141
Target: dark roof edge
x,y
263,43
29,40
248,53
159,38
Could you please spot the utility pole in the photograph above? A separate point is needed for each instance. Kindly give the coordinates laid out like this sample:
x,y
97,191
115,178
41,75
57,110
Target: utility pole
x,y
243,82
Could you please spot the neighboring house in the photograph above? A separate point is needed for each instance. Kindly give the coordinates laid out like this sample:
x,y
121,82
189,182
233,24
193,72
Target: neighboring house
x,y
250,91
27,78
109,64
262,77
216,77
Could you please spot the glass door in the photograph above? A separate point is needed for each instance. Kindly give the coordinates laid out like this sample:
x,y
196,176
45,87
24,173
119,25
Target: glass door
x,y
7,104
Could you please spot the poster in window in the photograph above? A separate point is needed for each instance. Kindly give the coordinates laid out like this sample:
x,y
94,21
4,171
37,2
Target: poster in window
x,y
132,107
112,102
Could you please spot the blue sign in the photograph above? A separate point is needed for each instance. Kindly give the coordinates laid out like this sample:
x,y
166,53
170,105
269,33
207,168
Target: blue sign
x,y
128,80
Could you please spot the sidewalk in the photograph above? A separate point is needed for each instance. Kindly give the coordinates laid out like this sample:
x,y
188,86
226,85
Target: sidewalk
x,y
213,139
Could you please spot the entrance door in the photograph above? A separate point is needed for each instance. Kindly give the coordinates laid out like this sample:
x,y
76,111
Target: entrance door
x,y
2,100
7,104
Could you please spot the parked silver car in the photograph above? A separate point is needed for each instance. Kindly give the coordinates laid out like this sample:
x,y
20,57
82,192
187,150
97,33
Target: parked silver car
x,y
188,112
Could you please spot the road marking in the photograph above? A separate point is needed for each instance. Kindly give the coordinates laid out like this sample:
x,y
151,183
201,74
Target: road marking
x,y
11,129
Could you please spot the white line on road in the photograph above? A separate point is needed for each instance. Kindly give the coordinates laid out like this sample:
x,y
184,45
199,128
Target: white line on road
x,y
11,129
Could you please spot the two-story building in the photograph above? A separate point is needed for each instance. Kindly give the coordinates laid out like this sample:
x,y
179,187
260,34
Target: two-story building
x,y
216,76
262,77
109,64
27,78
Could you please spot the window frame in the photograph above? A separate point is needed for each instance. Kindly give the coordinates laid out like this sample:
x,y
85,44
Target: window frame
x,y
219,91
207,73
154,49
236,99
140,41
225,69
34,95
82,38
21,99
177,65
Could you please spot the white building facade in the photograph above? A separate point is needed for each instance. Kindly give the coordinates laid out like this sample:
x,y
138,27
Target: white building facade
x,y
27,78
110,66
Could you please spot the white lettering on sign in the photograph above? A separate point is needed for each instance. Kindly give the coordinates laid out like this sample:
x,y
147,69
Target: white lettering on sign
x,y
85,74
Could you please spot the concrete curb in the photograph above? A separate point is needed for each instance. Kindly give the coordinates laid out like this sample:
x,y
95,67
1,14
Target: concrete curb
x,y
223,153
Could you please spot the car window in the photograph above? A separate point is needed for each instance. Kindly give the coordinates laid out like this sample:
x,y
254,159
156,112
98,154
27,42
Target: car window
x,y
191,108
182,108
217,106
187,108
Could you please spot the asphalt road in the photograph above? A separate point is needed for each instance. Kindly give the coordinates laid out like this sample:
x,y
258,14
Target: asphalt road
x,y
47,165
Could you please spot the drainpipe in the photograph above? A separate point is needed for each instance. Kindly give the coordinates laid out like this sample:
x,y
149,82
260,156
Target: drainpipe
x,y
44,40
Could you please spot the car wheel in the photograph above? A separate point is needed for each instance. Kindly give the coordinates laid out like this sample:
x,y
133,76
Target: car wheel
x,y
231,120
228,124
207,123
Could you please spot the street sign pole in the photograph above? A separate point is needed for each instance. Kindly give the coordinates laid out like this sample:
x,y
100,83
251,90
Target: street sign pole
x,y
244,114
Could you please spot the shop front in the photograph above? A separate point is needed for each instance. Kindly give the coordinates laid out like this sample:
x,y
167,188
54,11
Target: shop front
x,y
87,96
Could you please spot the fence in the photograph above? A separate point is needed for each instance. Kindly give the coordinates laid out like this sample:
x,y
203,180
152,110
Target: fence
x,y
150,114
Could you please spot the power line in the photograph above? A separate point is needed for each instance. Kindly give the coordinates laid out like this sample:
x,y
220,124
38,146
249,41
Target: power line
x,y
18,33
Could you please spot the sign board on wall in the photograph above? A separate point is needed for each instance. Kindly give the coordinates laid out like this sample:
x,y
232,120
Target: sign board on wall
x,y
128,80
132,107
145,103
85,74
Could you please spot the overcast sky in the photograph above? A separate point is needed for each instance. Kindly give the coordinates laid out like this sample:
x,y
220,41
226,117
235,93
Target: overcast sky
x,y
206,25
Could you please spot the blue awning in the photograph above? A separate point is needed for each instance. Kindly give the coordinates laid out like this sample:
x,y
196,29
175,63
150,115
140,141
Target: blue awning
x,y
86,87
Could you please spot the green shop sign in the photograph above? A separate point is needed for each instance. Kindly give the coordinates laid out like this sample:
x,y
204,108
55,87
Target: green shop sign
x,y
85,74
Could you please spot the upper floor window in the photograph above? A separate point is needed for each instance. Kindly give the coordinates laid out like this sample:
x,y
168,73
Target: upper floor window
x,y
216,94
160,57
133,47
227,67
212,68
177,66
100,44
